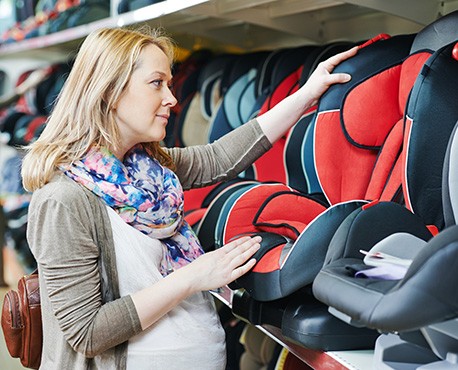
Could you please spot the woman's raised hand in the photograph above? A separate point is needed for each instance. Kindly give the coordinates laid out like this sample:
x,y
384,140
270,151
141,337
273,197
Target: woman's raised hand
x,y
322,77
220,267
278,120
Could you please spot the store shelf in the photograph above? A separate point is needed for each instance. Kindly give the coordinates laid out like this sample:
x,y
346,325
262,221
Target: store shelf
x,y
318,360
253,24
68,40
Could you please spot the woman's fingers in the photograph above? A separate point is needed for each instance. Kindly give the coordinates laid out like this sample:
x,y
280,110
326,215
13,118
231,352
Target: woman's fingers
x,y
238,252
224,265
335,60
234,244
242,245
242,270
244,252
237,245
338,78
330,63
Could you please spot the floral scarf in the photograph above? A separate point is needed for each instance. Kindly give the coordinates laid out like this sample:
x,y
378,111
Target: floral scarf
x,y
146,195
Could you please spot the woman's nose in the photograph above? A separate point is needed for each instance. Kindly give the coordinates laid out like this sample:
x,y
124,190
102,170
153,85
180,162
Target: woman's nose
x,y
170,99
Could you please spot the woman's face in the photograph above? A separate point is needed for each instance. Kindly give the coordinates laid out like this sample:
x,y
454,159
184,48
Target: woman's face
x,y
143,110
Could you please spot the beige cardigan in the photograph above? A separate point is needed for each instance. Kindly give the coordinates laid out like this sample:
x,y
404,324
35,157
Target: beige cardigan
x,y
86,324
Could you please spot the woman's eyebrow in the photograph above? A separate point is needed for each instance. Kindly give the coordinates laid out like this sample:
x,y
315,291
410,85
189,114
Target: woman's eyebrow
x,y
162,74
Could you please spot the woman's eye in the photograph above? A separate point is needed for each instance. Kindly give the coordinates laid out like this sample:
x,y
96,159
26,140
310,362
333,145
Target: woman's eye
x,y
157,83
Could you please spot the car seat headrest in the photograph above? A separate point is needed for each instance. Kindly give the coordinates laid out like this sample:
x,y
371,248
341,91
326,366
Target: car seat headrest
x,y
437,34
372,69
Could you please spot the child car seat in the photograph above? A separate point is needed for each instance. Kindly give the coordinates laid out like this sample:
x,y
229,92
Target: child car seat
x,y
386,220
298,151
285,81
393,305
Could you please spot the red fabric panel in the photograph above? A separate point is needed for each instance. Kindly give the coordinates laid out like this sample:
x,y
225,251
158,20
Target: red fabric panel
x,y
288,86
193,198
433,229
410,70
193,217
371,109
343,170
386,162
291,209
270,261
240,218
271,165
381,36
405,189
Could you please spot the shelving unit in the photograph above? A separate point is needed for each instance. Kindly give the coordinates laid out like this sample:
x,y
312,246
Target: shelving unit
x,y
238,26
319,360
241,26
254,24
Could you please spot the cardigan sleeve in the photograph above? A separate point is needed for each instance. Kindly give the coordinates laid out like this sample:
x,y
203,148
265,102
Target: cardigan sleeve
x,y
61,237
203,165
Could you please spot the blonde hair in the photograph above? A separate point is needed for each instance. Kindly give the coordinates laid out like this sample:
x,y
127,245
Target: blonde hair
x,y
83,114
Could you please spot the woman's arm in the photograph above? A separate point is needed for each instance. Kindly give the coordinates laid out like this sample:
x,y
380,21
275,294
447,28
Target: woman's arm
x,y
286,113
210,271
203,165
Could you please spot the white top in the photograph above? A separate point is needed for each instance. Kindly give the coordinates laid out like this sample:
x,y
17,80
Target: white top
x,y
188,337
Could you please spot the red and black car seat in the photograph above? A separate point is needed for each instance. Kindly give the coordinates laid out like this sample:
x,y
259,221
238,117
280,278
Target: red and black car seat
x,y
421,306
252,78
279,77
298,151
405,231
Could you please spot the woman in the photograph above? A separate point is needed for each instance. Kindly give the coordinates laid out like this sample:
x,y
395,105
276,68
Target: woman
x,y
118,264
